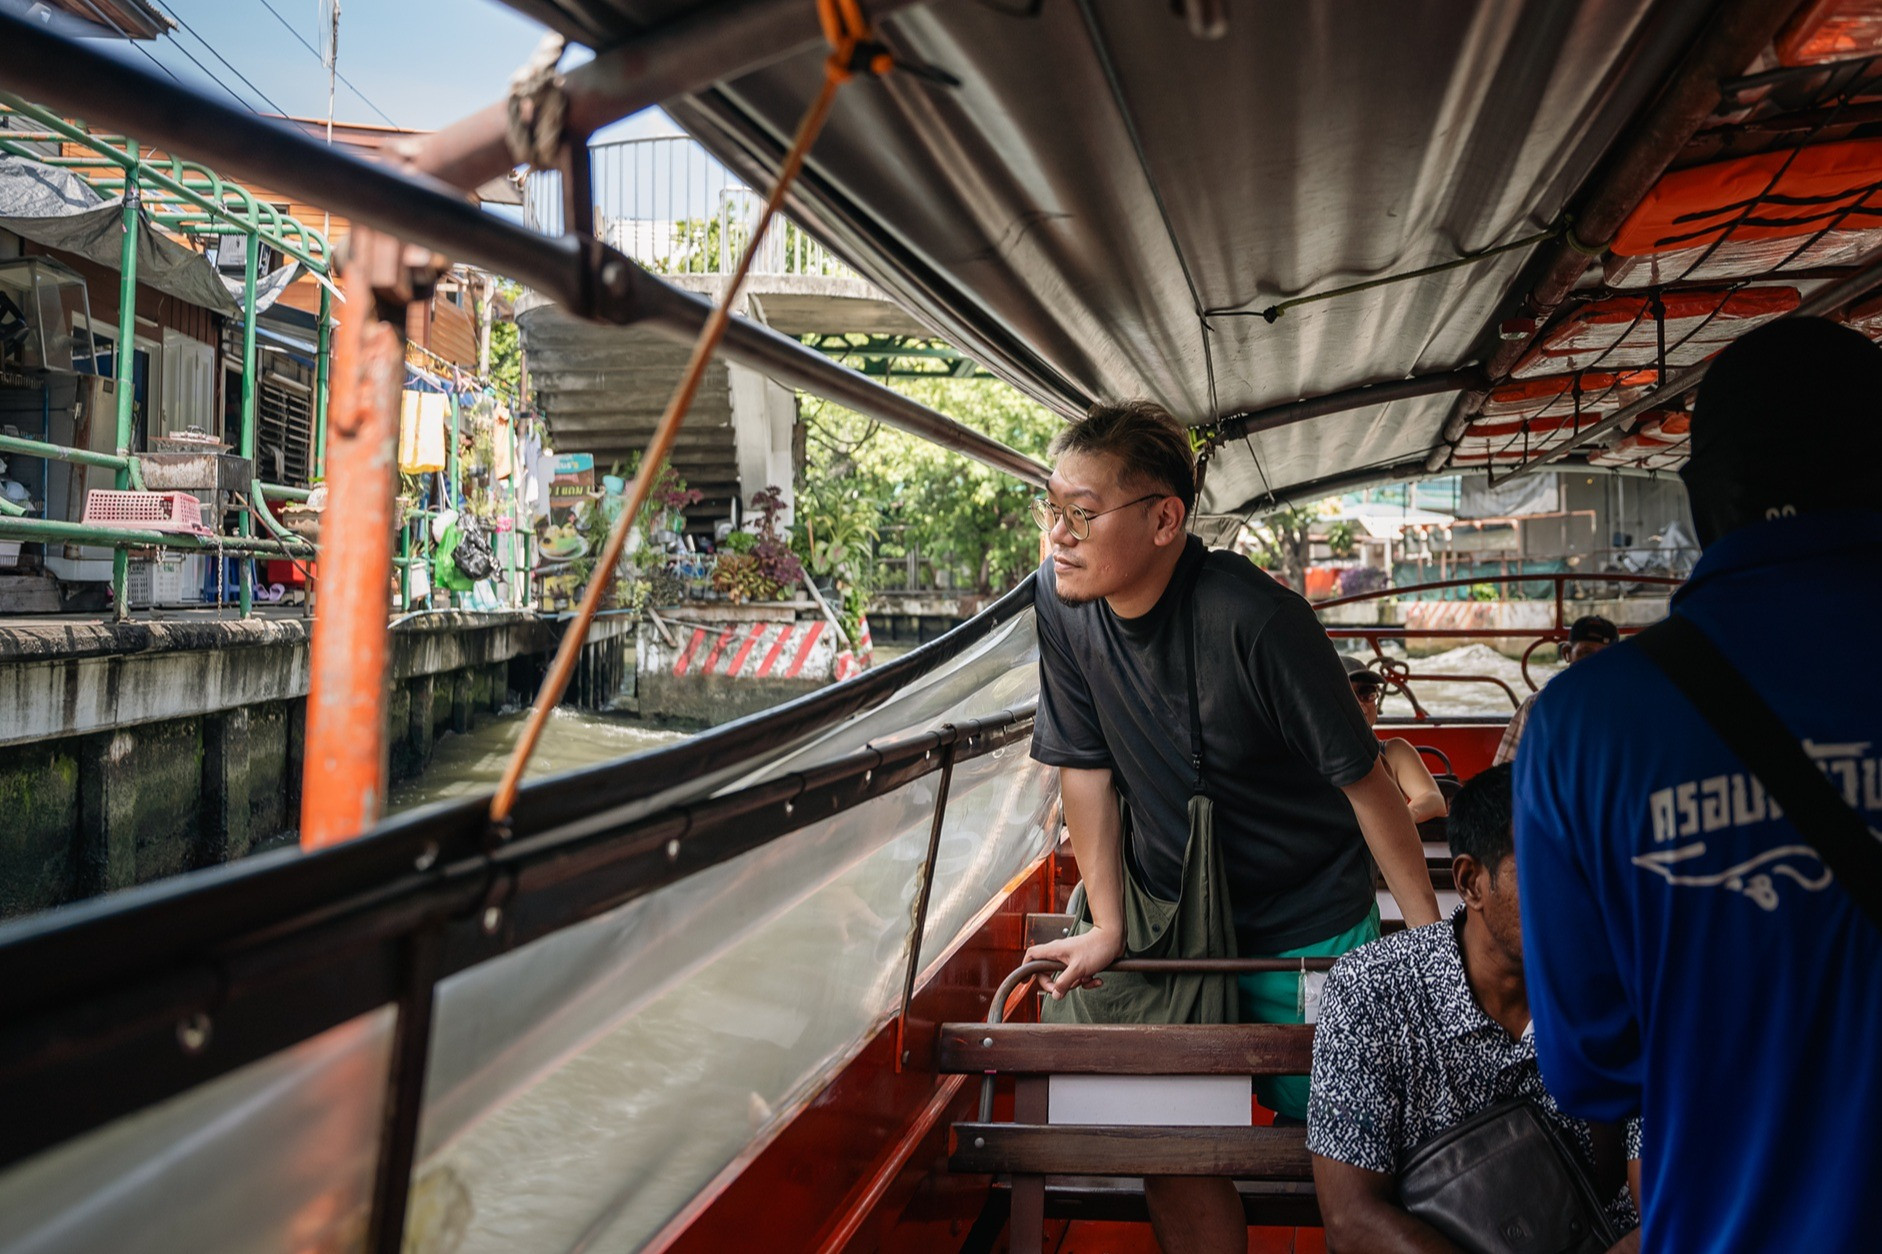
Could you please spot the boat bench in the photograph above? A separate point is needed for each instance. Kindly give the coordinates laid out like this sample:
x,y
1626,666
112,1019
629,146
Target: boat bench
x,y
1095,1171
1067,1171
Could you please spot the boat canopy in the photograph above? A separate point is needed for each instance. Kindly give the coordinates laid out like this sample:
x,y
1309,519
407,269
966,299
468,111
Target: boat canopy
x,y
1109,201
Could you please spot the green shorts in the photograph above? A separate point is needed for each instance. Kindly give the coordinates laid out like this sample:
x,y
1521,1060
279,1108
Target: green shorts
x,y
1275,997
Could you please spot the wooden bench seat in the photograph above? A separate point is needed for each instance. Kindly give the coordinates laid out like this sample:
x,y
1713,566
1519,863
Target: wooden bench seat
x,y
1086,1170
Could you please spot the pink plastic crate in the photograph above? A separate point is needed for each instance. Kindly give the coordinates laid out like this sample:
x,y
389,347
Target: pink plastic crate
x,y
144,511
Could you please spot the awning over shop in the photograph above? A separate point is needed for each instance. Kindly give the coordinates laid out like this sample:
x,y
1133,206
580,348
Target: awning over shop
x,y
55,208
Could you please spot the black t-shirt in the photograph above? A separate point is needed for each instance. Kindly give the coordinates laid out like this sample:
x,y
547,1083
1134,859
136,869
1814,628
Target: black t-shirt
x,y
1282,735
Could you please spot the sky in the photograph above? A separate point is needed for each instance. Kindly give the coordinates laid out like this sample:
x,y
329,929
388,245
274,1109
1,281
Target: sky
x,y
420,63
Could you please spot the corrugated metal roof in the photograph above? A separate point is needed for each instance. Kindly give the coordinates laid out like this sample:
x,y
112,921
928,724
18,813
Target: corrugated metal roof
x,y
1104,200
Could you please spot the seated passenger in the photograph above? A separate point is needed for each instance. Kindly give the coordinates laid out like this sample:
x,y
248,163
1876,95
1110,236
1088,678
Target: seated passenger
x,y
1587,636
1402,760
1427,1027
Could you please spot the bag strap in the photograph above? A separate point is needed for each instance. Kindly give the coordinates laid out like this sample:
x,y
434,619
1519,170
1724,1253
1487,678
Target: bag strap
x,y
1750,729
1195,695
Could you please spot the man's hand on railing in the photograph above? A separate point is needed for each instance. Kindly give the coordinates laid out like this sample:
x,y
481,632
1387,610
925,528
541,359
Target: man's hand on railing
x,y
1084,957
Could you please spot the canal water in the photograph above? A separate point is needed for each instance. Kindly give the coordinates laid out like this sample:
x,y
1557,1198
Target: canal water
x,y
464,765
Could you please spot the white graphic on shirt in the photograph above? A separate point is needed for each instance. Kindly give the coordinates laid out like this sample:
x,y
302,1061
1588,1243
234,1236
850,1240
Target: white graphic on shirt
x,y
1757,886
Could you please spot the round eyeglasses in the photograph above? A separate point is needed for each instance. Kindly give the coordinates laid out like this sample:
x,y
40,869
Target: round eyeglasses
x,y
1077,518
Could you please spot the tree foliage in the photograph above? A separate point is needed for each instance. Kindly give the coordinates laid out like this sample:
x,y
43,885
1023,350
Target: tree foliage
x,y
866,485
1282,543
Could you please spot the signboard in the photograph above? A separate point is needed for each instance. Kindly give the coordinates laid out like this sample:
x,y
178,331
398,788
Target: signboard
x,y
573,483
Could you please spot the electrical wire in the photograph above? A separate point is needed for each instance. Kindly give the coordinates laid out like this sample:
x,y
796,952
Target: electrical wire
x,y
336,73
126,37
209,74
225,61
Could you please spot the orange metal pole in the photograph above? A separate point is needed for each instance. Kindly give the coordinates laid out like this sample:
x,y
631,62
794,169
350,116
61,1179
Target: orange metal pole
x,y
343,789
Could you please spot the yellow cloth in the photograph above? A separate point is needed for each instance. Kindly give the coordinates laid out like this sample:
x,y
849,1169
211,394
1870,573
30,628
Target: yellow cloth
x,y
422,424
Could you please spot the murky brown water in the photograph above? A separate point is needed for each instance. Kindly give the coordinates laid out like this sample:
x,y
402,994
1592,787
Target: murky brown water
x,y
474,762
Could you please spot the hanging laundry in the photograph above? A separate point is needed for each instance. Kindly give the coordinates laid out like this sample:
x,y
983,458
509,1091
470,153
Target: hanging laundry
x,y
422,425
502,458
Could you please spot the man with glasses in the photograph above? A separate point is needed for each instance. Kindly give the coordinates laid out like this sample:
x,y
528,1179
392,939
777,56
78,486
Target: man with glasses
x,y
1209,698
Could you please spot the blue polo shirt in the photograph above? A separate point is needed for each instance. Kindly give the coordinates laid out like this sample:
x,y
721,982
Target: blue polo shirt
x,y
1689,958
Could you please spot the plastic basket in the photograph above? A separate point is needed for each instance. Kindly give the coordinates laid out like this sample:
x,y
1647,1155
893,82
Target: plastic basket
x,y
175,580
144,511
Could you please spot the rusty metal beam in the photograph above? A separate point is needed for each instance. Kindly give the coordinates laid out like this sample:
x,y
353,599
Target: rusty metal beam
x,y
706,45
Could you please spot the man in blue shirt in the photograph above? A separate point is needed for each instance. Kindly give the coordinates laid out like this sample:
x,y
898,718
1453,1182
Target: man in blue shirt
x,y
1690,957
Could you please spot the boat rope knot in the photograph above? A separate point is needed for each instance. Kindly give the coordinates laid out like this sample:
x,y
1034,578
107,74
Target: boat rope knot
x,y
538,107
853,47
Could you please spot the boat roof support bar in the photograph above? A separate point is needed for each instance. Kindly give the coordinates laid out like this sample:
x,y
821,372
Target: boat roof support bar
x,y
585,276
1238,425
707,45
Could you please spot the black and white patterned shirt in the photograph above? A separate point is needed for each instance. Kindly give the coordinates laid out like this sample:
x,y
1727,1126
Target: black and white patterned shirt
x,y
1403,1052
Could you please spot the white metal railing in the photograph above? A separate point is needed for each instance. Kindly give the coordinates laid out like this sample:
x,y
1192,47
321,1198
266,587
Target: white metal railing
x,y
667,203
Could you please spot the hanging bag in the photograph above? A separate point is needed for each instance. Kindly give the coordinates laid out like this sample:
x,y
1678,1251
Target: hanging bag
x,y
474,558
1504,1180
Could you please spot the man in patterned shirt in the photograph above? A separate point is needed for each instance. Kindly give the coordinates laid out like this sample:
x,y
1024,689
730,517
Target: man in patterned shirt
x,y
1425,1028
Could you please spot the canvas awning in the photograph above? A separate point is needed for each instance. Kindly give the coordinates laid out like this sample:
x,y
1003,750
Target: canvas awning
x,y
56,208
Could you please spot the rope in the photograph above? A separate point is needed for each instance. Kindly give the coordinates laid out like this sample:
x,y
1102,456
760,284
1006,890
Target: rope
x,y
538,107
852,50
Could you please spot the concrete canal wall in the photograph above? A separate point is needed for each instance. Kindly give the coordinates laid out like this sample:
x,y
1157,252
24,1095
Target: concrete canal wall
x,y
133,751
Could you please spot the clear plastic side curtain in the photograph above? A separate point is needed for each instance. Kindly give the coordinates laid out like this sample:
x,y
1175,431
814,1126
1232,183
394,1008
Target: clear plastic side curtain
x,y
584,1087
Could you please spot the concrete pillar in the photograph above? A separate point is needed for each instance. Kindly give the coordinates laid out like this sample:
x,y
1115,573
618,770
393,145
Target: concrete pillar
x,y
107,798
460,702
764,419
296,756
226,823
421,718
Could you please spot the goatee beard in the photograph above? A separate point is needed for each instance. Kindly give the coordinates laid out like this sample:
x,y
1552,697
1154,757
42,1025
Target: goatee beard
x,y
1066,598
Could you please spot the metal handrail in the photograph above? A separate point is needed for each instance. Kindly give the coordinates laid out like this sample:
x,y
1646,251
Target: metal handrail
x,y
1400,675
1559,578
194,185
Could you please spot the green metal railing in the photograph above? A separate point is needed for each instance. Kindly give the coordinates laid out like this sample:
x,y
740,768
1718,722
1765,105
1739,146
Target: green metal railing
x,y
187,199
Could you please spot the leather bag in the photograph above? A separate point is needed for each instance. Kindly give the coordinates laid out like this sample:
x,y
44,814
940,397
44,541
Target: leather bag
x,y
1504,1182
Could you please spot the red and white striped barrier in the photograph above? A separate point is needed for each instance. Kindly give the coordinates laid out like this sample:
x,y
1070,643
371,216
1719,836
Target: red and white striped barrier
x,y
850,663
755,651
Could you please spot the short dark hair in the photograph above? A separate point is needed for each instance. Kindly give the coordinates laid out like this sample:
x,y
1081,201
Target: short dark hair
x,y
1593,627
1481,815
1149,443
